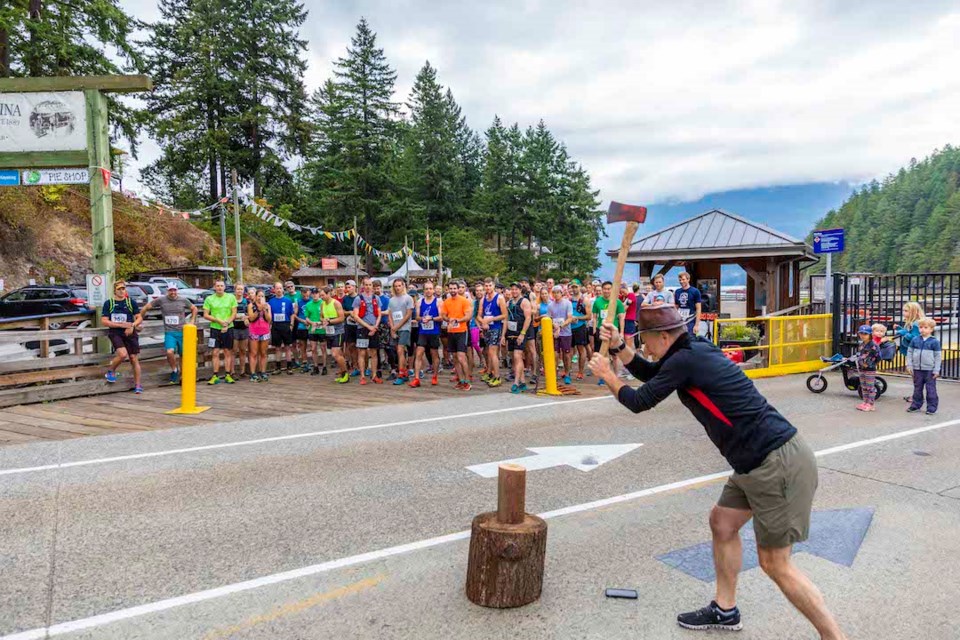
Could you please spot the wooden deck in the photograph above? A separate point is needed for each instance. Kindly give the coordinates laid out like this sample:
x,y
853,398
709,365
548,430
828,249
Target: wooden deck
x,y
124,412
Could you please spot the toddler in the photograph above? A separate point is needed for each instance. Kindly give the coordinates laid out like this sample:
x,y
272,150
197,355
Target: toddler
x,y
923,361
867,358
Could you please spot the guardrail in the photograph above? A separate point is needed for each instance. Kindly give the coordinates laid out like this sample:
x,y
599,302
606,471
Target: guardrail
x,y
776,345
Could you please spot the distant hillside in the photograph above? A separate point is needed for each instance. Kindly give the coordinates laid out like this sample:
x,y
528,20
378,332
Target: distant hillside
x,y
910,222
45,231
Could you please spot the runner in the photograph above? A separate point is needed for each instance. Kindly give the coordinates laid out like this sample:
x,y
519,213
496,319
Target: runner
x,y
581,338
477,345
658,295
456,312
283,312
491,315
775,472
298,357
630,306
350,328
688,302
119,315
428,313
560,311
173,310
387,352
519,322
366,312
540,306
301,334
220,310
241,333
259,317
592,289
599,312
312,311
399,312
333,320
414,329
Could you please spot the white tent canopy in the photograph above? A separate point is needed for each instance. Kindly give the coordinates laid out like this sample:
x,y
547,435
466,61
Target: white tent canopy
x,y
404,271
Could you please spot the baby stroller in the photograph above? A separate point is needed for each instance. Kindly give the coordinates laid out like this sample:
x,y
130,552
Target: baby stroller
x,y
817,383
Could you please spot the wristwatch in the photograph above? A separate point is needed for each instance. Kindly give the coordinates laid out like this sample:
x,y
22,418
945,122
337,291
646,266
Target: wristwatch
x,y
613,352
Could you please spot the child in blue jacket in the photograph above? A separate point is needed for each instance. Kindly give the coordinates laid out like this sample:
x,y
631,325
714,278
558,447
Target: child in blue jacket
x,y
924,357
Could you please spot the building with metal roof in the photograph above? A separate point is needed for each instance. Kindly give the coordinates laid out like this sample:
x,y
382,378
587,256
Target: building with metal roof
x,y
702,244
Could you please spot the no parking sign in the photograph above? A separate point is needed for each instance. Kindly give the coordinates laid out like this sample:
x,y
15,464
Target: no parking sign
x,y
96,289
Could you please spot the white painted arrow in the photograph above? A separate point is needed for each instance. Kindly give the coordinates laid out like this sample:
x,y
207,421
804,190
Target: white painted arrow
x,y
584,457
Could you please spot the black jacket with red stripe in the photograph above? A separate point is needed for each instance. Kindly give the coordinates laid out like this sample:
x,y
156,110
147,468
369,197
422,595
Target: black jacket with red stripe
x,y
737,418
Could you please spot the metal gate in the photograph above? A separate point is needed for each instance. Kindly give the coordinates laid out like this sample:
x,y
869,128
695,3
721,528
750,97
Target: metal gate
x,y
871,298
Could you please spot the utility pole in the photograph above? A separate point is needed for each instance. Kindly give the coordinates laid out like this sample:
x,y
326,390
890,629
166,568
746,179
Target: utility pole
x,y
236,225
356,260
440,263
223,240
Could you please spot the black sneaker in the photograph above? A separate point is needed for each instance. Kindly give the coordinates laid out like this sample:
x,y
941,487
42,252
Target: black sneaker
x,y
315,372
913,409
711,617
931,413
323,371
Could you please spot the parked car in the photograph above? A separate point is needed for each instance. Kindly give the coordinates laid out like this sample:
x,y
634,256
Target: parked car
x,y
138,295
190,293
153,290
38,300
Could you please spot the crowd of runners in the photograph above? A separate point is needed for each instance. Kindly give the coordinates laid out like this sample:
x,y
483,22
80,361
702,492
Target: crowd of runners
x,y
408,335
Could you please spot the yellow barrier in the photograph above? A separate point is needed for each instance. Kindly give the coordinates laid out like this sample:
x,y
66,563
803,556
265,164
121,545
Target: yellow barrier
x,y
188,373
790,344
549,359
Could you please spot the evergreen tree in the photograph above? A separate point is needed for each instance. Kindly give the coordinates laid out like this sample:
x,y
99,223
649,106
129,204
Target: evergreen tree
x,y
77,38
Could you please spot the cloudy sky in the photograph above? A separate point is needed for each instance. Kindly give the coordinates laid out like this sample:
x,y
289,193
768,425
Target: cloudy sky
x,y
671,102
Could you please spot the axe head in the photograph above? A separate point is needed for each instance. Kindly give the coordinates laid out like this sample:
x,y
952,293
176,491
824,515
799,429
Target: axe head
x,y
619,212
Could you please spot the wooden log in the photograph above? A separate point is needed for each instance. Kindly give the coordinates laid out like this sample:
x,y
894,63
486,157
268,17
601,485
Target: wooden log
x,y
505,565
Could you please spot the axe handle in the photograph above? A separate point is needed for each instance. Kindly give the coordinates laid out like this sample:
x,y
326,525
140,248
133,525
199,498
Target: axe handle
x,y
625,243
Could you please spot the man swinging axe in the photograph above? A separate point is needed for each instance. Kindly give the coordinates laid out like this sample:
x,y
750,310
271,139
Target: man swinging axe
x,y
775,471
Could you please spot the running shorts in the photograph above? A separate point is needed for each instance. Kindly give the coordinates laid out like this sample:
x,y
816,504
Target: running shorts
x,y
429,340
335,341
302,334
458,342
492,337
241,333
402,339
779,493
367,341
580,336
122,341
516,342
173,341
316,337
281,335
350,333
629,327
563,343
221,338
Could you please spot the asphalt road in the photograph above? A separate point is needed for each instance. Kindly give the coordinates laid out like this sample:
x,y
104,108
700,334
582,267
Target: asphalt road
x,y
353,524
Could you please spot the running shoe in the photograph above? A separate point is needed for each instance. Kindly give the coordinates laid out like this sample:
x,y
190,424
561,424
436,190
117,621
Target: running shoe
x,y
566,379
289,370
110,376
368,373
600,382
264,377
927,412
315,372
862,406
363,380
711,617
323,371
174,377
254,377
515,388
343,379
415,383
913,409
377,380
214,380
495,382
579,376
484,376
138,389
392,376
398,382
355,373
523,387
229,379
434,381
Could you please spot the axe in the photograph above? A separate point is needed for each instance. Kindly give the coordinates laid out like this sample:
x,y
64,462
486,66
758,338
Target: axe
x,y
634,216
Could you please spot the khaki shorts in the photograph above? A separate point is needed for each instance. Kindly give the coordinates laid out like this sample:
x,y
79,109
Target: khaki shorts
x,y
779,493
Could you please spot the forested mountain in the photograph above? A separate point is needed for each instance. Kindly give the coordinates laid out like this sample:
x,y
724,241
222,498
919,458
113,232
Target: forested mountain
x,y
909,222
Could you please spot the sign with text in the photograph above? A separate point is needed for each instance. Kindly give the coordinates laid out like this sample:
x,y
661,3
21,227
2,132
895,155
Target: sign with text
x,y
56,176
328,264
43,121
9,178
828,241
96,289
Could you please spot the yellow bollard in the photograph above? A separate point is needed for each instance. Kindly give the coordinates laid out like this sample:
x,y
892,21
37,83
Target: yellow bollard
x,y
188,373
549,359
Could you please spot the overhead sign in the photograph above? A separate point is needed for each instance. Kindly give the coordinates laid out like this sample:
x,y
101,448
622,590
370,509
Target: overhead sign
x,y
328,264
9,178
56,176
583,457
96,289
44,121
828,241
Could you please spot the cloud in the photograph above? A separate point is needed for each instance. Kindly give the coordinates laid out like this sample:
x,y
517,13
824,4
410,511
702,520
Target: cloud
x,y
670,101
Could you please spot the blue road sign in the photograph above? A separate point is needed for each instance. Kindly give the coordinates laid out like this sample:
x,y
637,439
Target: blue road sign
x,y
9,178
834,535
828,241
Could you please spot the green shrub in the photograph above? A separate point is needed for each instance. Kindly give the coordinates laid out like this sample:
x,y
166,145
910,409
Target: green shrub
x,y
740,333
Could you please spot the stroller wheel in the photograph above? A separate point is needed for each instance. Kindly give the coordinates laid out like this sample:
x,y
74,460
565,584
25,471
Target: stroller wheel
x,y
817,383
881,386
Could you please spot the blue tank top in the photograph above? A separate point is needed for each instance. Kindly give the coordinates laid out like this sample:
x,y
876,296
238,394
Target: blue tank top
x,y
433,310
491,308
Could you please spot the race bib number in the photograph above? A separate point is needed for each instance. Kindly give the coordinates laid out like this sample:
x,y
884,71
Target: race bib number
x,y
684,314
488,317
427,325
512,325
397,316
280,317
173,321
118,317
454,324
363,343
603,316
212,343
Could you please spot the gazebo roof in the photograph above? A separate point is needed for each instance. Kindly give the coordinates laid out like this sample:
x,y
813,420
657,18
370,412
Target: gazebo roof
x,y
717,235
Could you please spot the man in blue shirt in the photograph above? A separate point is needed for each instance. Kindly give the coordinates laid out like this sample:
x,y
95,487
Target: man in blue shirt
x,y
284,313
687,299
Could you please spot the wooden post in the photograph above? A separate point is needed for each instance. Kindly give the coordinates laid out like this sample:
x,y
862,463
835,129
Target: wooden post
x,y
45,343
101,197
507,548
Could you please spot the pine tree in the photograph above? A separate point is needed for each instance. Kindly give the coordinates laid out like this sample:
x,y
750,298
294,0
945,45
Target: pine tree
x,y
81,37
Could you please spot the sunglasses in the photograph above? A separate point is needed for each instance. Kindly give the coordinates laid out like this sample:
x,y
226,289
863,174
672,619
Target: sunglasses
x,y
120,289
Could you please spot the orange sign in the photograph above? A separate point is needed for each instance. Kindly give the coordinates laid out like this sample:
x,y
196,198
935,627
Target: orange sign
x,y
328,264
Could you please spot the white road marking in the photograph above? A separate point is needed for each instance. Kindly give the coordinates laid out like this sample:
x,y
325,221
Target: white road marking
x,y
584,457
293,436
323,567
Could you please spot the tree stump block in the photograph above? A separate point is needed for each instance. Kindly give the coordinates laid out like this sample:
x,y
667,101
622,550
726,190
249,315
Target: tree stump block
x,y
507,548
